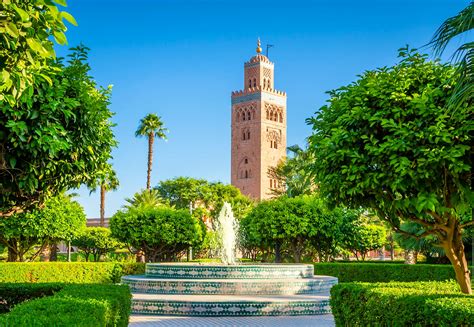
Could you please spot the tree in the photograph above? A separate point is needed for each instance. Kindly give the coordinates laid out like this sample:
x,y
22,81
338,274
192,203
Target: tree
x,y
386,142
294,174
61,219
95,241
360,238
459,25
27,28
108,181
59,138
151,126
145,198
162,233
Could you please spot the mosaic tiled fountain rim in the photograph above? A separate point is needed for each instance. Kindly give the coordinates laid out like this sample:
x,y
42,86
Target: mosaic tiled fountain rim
x,y
144,284
209,309
196,271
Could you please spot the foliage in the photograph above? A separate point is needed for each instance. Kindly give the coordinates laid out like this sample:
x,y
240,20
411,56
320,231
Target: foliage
x,y
58,138
360,238
294,174
145,198
181,192
378,271
60,219
71,305
386,142
67,272
294,223
160,232
460,25
12,294
401,304
27,28
97,241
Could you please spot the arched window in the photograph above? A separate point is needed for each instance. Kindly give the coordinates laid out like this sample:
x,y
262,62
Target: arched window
x,y
246,161
271,183
248,115
268,83
248,135
243,135
243,115
267,114
254,82
275,145
281,118
250,83
264,83
246,174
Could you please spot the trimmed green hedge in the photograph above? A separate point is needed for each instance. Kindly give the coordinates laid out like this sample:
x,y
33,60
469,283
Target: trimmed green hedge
x,y
401,304
67,272
67,305
380,273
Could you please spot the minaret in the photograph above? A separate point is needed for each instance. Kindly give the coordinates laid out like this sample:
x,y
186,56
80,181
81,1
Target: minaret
x,y
258,129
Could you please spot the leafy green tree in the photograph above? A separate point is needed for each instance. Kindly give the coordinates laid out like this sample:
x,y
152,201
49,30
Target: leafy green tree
x,y
151,126
386,142
61,219
145,198
162,233
57,139
294,174
95,241
182,192
361,238
460,25
27,28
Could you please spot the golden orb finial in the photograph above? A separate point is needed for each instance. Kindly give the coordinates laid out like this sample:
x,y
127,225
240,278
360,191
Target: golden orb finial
x,y
259,49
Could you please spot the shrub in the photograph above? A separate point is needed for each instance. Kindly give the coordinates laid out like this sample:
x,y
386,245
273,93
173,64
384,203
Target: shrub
x,y
162,233
401,304
67,272
12,294
380,272
71,305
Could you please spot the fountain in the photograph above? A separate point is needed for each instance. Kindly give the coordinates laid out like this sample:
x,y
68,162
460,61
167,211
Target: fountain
x,y
229,289
227,231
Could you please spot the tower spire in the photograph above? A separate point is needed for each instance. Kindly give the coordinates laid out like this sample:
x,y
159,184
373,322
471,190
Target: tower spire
x,y
259,48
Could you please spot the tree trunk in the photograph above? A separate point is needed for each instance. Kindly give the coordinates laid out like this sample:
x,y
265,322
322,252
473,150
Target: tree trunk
x,y
410,257
151,139
455,252
102,205
278,252
53,253
12,255
45,254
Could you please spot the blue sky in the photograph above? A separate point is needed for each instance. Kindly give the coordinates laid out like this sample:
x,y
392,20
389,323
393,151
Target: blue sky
x,y
182,59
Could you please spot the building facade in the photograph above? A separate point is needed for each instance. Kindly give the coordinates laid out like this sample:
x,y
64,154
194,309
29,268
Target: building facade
x,y
258,129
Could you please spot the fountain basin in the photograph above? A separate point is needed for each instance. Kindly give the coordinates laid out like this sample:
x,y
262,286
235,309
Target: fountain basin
x,y
193,289
242,271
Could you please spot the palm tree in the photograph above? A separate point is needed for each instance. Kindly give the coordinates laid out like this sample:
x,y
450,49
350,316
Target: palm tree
x,y
151,126
459,25
146,198
109,183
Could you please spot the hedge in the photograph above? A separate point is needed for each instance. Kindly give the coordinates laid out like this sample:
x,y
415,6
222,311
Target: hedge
x,y
67,272
401,304
67,305
379,272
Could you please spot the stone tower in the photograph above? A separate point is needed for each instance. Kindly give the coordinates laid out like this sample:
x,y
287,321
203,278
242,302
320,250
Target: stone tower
x,y
258,129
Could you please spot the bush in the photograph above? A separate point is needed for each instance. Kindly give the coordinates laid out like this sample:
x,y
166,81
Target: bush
x,y
162,233
12,294
401,304
71,305
380,272
67,272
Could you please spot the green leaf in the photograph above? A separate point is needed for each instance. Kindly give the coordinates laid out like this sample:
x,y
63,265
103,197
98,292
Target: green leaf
x,y
67,16
12,162
12,29
60,38
61,2
23,14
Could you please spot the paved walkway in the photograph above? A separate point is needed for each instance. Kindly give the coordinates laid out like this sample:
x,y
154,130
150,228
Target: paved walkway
x,y
284,321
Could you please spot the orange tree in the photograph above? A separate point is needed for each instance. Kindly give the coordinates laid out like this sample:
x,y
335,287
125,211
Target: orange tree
x,y
387,142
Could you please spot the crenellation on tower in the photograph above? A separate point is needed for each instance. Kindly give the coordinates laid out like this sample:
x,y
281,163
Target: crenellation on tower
x,y
258,129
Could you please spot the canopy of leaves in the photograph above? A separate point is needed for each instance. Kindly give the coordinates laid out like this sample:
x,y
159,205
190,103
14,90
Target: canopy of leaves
x,y
360,237
26,29
60,219
58,138
151,124
161,232
96,241
387,142
182,192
